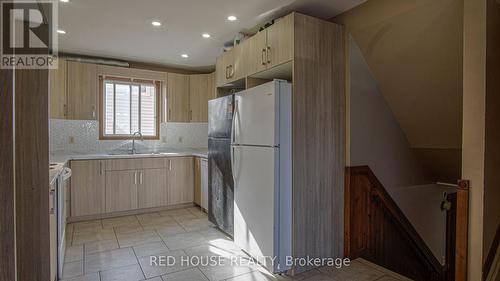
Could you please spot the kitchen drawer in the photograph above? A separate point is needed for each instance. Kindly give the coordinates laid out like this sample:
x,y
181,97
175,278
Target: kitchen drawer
x,y
135,164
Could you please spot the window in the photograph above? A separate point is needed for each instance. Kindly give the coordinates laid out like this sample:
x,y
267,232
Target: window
x,y
129,106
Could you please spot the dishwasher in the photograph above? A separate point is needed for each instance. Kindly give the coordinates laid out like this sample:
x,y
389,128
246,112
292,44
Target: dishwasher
x,y
62,210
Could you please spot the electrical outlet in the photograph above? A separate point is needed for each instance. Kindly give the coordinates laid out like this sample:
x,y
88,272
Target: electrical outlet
x,y
71,140
180,139
164,139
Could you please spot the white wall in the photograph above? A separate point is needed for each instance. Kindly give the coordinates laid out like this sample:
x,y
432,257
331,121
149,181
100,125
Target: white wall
x,y
377,140
86,136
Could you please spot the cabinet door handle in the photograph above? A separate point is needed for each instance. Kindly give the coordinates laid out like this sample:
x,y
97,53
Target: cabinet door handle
x,y
93,112
65,110
191,115
227,72
169,115
100,168
267,54
135,177
263,56
140,178
169,165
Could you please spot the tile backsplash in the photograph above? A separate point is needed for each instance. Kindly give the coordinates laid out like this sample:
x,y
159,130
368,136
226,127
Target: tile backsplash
x,y
83,136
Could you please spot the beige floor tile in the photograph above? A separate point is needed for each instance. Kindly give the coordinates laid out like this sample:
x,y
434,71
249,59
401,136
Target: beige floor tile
x,y
198,213
157,221
256,276
153,270
210,250
128,228
150,249
109,259
184,240
73,253
356,270
87,226
100,246
72,269
174,212
154,279
137,238
80,238
186,217
196,224
214,234
224,271
172,229
146,216
86,277
384,270
193,274
126,273
120,221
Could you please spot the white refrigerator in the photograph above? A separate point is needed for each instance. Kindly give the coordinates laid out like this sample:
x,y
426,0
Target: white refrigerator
x,y
261,164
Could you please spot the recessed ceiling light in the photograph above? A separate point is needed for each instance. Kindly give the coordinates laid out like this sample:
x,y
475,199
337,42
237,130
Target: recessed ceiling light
x,y
205,35
185,56
156,23
232,18
64,1
61,31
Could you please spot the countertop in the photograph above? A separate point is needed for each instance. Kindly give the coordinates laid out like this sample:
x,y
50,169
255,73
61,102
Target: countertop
x,y
58,160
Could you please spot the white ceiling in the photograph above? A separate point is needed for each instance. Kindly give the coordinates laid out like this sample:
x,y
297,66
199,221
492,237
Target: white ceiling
x,y
122,29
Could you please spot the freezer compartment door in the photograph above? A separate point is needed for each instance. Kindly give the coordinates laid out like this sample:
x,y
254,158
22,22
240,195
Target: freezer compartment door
x,y
255,116
220,115
220,185
255,202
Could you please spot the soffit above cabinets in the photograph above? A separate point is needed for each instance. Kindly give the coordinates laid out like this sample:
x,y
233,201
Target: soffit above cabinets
x,y
122,29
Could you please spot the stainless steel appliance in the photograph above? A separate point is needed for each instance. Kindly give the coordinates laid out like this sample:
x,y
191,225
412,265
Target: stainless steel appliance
x,y
220,178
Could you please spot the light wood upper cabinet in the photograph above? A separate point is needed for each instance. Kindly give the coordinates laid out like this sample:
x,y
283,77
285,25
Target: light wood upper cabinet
x,y
264,50
180,180
177,97
254,53
87,188
152,191
199,92
121,190
280,41
58,102
223,65
82,91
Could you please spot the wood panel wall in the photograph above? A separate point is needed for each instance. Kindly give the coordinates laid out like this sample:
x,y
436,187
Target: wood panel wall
x,y
318,138
32,174
7,239
377,230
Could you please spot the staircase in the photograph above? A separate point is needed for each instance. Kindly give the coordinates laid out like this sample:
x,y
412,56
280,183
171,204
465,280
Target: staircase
x,y
377,230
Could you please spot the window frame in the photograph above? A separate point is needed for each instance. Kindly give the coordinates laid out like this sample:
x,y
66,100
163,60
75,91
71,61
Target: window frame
x,y
157,84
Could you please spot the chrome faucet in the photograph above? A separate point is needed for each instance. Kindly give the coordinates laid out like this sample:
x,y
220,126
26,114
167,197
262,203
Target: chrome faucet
x,y
133,151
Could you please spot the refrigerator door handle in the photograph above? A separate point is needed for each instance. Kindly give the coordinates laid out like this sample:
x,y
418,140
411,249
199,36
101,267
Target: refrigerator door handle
x,y
232,164
233,122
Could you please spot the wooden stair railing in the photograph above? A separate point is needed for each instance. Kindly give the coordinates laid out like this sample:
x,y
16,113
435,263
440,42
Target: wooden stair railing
x,y
377,230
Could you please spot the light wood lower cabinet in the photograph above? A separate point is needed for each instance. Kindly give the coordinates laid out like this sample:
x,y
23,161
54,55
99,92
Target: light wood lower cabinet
x,y
180,180
197,181
87,188
101,187
121,190
152,191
